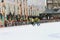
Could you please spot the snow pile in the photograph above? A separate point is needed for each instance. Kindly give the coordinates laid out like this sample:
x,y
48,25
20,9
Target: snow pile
x,y
28,32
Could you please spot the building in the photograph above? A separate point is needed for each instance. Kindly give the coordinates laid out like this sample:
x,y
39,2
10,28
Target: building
x,y
24,8
14,6
1,6
1,12
53,4
33,10
19,7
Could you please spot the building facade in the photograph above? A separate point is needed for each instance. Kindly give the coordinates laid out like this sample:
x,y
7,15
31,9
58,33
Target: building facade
x,y
18,7
53,4
14,6
1,6
33,10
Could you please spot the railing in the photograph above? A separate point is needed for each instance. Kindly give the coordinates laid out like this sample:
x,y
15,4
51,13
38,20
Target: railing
x,y
16,23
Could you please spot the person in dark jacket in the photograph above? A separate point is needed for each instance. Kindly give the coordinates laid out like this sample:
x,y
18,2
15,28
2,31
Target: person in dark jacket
x,y
1,15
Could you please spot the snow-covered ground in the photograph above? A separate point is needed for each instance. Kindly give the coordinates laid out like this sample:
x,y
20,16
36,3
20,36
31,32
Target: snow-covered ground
x,y
46,31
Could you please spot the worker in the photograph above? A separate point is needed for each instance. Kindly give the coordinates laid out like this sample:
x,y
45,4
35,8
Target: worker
x,y
32,21
38,22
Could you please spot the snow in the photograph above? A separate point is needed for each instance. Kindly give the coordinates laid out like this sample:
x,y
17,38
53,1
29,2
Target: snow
x,y
46,31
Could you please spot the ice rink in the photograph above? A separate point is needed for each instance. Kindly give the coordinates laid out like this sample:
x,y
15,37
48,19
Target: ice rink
x,y
46,31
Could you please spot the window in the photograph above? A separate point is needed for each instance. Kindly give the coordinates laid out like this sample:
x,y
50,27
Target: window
x,y
58,1
29,11
55,1
11,0
19,0
58,4
2,0
55,5
20,5
49,6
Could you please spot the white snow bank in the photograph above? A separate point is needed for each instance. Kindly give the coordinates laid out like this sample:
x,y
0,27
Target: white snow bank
x,y
45,31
